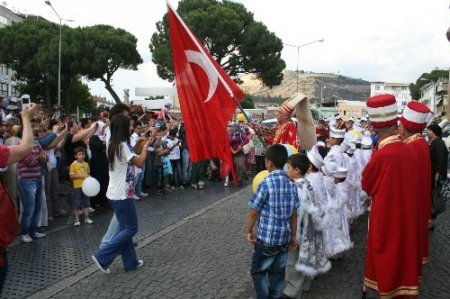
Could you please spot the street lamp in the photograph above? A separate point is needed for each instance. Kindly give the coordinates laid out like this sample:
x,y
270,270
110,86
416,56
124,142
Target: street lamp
x,y
298,52
59,50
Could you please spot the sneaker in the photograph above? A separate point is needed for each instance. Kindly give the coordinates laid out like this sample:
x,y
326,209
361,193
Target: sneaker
x,y
38,235
91,210
226,184
106,271
172,188
181,188
77,222
26,238
195,186
135,197
88,221
201,185
140,263
144,194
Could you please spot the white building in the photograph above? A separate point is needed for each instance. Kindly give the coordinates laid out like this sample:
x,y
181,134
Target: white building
x,y
7,80
168,94
399,90
434,95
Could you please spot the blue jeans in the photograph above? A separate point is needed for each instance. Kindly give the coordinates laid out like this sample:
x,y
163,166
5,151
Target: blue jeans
x,y
122,242
30,202
138,182
186,166
268,269
113,229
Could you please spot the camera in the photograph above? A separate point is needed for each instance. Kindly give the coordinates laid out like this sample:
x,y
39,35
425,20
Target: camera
x,y
25,99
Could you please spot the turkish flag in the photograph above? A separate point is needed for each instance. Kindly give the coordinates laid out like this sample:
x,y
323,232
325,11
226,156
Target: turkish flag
x,y
205,92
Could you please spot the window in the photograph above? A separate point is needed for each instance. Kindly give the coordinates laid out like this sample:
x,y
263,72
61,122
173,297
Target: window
x,y
4,89
377,87
3,20
13,91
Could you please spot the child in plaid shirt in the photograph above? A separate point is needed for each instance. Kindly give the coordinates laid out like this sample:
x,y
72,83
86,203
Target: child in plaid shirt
x,y
274,205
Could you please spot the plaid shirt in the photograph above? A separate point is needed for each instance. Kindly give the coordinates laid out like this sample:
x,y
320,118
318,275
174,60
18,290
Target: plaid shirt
x,y
275,199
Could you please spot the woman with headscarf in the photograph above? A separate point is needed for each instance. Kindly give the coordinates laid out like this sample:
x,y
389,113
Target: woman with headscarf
x,y
99,164
438,156
438,153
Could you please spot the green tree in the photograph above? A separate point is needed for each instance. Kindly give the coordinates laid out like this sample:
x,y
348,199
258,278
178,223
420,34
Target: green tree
x,y
26,48
247,102
315,114
31,48
80,97
424,79
102,50
230,33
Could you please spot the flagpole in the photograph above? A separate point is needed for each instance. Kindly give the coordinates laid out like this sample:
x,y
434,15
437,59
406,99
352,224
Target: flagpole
x,y
200,48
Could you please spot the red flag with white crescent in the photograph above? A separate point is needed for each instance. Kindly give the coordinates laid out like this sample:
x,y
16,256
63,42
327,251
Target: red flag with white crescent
x,y
205,93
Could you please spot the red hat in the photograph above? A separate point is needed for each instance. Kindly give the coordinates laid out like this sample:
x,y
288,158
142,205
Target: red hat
x,y
289,105
382,110
416,116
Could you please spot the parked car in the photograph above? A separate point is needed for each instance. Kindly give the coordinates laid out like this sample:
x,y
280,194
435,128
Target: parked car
x,y
270,123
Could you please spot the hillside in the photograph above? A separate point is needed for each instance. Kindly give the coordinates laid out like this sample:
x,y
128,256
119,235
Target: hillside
x,y
334,86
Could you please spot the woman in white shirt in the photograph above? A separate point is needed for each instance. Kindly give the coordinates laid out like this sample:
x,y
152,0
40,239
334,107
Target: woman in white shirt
x,y
121,162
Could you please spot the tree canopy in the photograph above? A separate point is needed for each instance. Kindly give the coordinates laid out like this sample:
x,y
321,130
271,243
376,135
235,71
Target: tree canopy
x,y
229,32
426,78
31,49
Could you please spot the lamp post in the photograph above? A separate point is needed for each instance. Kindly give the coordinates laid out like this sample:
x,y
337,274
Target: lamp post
x,y
59,50
298,52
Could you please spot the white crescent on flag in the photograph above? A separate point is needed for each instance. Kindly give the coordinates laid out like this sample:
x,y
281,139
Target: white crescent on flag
x,y
202,61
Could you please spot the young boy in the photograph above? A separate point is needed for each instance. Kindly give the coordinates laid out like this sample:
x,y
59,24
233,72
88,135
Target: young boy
x,y
173,143
161,151
79,170
309,259
274,205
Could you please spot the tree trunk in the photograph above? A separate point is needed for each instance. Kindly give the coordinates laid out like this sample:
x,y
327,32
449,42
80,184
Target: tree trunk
x,y
111,91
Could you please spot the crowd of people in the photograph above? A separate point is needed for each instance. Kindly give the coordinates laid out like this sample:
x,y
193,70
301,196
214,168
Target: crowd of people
x,y
303,211
304,208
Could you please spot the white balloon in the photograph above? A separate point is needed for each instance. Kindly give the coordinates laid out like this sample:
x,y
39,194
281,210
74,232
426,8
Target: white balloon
x,y
90,187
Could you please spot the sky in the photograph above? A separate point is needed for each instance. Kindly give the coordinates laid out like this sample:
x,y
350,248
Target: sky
x,y
383,40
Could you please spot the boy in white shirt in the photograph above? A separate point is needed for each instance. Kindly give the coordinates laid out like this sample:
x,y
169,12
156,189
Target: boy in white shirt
x,y
173,143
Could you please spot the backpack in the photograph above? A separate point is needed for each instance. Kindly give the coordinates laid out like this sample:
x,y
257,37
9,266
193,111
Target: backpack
x,y
9,222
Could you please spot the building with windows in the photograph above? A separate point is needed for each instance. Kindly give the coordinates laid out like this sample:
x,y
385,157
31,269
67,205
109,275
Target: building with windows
x,y
434,95
7,75
351,109
399,90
